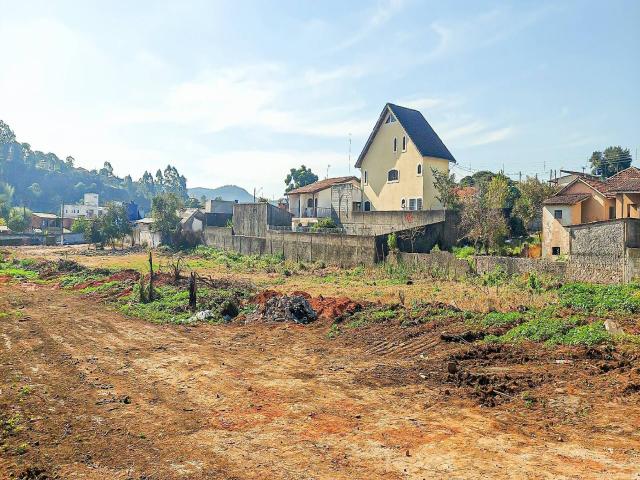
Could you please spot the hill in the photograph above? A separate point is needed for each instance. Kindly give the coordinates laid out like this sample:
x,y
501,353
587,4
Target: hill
x,y
42,181
226,192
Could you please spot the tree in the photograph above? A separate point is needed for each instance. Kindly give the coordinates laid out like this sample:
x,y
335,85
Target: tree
x,y
6,134
528,206
107,170
164,210
478,178
93,232
445,185
114,223
80,225
479,222
299,177
497,192
19,219
6,198
610,161
193,202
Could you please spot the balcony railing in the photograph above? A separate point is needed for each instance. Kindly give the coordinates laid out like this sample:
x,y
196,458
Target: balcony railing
x,y
312,212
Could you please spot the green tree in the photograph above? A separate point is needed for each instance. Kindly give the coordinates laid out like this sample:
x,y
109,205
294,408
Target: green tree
x,y
114,223
164,211
478,178
6,198
482,222
445,185
93,232
528,206
19,219
610,161
80,225
299,177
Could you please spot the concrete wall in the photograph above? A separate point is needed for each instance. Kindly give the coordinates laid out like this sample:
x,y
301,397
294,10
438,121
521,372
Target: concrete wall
x,y
218,219
219,206
343,250
252,219
380,223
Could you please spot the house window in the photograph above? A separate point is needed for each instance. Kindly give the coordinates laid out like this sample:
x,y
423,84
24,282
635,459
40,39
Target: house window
x,y
404,143
419,170
395,144
612,213
310,202
403,204
418,204
367,206
366,178
412,204
390,119
555,250
557,214
393,175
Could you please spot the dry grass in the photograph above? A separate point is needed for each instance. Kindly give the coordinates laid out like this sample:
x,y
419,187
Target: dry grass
x,y
371,283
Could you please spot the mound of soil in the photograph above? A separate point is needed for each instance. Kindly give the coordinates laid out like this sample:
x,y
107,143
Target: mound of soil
x,y
294,308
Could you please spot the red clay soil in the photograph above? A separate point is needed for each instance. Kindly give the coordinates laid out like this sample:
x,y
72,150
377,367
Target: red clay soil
x,y
121,276
88,393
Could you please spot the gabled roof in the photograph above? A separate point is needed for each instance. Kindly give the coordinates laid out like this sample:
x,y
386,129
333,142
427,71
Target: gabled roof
x,y
627,180
601,187
322,184
418,129
568,199
51,216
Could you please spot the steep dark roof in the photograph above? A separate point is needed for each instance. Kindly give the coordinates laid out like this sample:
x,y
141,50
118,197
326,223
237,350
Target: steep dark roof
x,y
322,184
569,199
420,132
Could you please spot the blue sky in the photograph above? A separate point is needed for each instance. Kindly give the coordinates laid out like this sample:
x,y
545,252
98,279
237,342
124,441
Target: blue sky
x,y
239,92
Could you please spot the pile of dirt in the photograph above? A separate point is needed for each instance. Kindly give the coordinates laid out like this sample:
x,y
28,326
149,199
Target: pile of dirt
x,y
294,308
262,297
335,308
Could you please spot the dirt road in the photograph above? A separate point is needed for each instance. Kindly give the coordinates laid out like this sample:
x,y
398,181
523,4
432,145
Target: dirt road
x,y
100,396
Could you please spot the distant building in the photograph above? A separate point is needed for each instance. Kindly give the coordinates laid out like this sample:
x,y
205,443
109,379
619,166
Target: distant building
x,y
309,203
219,206
42,222
88,209
569,176
587,200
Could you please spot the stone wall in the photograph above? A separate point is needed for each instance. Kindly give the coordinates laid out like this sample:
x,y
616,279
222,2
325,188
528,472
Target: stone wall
x,y
219,237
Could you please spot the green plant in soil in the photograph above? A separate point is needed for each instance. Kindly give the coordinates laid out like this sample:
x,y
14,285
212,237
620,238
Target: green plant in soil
x,y
594,298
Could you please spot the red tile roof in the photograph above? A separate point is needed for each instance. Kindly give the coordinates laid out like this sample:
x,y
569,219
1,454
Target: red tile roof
x,y
569,199
322,184
628,180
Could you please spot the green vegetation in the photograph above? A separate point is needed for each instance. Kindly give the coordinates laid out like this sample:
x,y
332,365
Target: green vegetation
x,y
17,270
601,299
501,319
464,252
323,223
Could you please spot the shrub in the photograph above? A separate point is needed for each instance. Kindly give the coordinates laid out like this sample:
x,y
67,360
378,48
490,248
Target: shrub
x,y
591,334
392,242
323,223
499,319
540,330
464,252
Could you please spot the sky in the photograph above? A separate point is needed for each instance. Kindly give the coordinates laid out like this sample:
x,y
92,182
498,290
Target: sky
x,y
239,92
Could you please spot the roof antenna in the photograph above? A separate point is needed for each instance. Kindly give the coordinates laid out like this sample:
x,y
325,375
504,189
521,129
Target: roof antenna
x,y
350,154
328,170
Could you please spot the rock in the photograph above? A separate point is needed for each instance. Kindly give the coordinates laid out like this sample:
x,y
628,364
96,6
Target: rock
x,y
452,368
612,327
203,315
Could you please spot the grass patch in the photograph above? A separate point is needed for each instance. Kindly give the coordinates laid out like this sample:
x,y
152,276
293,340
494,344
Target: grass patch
x,y
17,270
591,334
541,330
501,319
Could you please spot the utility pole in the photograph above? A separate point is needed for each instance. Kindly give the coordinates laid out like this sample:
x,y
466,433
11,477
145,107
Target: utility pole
x,y
62,225
520,176
328,170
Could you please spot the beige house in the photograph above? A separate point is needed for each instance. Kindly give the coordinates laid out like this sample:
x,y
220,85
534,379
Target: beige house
x,y
586,200
397,160
314,201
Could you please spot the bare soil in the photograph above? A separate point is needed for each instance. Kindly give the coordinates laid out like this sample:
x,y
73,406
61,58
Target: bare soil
x,y
101,396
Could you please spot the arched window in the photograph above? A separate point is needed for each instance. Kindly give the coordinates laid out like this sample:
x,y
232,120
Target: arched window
x,y
419,169
403,204
366,178
393,175
367,206
404,143
395,144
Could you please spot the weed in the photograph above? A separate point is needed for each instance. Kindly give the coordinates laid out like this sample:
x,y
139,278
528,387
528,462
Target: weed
x,y
528,399
13,424
541,329
601,298
591,334
500,319
22,448
25,390
334,331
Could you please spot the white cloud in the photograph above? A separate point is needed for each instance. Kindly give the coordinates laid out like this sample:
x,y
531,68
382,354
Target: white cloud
x,y
492,136
374,19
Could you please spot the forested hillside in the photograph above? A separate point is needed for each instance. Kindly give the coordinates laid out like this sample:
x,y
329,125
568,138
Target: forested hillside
x,y
42,181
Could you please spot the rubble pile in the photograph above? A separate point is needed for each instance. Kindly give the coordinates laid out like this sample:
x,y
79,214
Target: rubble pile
x,y
294,308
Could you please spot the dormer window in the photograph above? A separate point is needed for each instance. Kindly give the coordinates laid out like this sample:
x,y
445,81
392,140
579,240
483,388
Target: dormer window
x,y
395,144
404,143
393,175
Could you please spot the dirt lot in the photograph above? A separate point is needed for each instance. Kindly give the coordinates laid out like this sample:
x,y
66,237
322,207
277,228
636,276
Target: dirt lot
x,y
98,395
